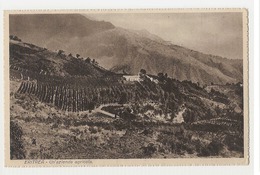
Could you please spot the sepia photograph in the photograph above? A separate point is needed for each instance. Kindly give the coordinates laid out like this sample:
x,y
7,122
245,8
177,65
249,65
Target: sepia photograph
x,y
140,86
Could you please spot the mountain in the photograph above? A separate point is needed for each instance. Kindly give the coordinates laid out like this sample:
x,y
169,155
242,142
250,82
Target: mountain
x,y
123,50
55,31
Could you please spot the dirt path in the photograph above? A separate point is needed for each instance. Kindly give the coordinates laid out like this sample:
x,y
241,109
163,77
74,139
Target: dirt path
x,y
99,109
105,112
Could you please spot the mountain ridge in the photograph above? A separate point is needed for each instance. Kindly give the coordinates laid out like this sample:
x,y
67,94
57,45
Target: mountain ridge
x,y
123,50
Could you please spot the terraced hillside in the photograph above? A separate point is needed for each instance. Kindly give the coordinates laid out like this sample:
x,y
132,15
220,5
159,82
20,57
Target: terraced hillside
x,y
65,106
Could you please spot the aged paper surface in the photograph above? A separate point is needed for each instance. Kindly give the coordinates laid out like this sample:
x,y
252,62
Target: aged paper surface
x,y
126,87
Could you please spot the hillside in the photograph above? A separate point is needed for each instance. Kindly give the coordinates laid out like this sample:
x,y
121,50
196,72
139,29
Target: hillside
x,y
123,50
34,60
130,52
63,107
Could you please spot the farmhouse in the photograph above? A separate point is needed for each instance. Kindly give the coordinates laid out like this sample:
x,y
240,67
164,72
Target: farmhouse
x,y
132,78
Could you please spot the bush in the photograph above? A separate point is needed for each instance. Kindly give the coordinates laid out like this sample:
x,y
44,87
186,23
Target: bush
x,y
16,144
215,147
204,152
212,149
149,150
93,130
234,143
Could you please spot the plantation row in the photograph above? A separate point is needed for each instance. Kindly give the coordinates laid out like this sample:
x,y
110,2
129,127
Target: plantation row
x,y
82,99
72,82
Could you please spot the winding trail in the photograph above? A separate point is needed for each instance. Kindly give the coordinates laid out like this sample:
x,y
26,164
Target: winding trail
x,y
99,109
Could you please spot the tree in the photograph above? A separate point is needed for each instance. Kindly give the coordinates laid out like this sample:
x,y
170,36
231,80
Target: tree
x,y
143,71
93,61
88,60
60,52
77,55
124,72
160,76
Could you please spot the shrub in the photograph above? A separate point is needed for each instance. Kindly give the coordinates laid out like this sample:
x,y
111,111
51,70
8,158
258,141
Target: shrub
x,y
215,147
204,152
16,144
212,149
93,130
149,150
234,143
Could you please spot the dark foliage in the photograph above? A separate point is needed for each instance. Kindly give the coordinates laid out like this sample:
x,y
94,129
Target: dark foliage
x,y
16,143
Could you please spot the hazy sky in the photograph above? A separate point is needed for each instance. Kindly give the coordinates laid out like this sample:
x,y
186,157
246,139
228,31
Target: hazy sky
x,y
213,33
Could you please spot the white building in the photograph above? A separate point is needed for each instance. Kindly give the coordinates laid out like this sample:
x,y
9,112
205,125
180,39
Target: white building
x,y
132,78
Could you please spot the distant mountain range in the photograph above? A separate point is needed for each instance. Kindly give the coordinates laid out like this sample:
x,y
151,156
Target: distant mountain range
x,y
123,50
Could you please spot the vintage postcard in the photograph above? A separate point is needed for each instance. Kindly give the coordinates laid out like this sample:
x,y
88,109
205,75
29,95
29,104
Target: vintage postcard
x,y
126,87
